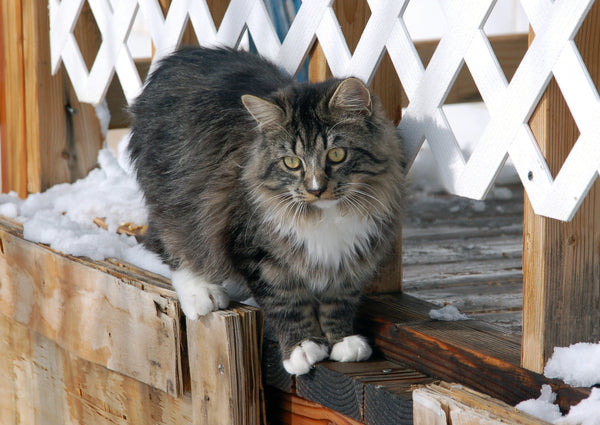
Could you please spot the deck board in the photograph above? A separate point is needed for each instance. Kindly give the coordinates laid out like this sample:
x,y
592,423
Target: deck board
x,y
467,253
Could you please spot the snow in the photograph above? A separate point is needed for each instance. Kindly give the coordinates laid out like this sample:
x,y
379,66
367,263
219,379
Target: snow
x,y
448,313
577,365
587,412
542,407
63,216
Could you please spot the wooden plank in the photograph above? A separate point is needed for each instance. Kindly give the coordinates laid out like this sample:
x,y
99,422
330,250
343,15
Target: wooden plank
x,y
225,367
42,383
14,158
561,260
128,328
473,353
3,106
446,404
289,409
360,390
44,144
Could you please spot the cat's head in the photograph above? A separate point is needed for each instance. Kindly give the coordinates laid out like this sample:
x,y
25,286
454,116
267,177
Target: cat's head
x,y
322,145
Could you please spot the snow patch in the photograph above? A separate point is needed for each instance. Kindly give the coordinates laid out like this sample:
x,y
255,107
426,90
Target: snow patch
x,y
577,365
448,313
542,407
63,216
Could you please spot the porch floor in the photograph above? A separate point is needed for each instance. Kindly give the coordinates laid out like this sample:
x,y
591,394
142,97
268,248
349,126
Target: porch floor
x,y
467,253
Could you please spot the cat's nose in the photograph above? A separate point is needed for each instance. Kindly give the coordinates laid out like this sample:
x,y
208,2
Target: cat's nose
x,y
315,191
315,184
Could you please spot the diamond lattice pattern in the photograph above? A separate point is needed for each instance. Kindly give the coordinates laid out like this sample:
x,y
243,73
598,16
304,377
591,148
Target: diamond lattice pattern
x,y
552,53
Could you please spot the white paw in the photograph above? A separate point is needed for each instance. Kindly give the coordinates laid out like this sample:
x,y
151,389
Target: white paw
x,y
304,357
354,348
197,296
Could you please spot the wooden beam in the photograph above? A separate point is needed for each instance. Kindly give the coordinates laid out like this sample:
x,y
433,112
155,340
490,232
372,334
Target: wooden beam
x,y
561,261
289,409
3,106
44,144
454,404
471,352
14,141
377,391
93,311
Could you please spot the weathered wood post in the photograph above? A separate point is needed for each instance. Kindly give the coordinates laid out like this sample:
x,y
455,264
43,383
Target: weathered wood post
x,y
48,136
561,261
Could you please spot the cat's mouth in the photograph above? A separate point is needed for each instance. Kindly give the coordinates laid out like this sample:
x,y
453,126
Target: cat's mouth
x,y
325,203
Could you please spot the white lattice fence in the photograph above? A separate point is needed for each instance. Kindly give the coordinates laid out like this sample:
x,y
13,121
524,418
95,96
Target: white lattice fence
x,y
552,53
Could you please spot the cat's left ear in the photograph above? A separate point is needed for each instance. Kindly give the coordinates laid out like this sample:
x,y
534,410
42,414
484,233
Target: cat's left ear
x,y
352,95
263,111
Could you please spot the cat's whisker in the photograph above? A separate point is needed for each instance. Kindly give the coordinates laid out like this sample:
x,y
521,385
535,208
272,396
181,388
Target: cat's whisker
x,y
368,195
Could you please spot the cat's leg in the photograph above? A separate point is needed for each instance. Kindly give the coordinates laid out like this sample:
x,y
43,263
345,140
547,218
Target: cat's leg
x,y
336,316
197,296
290,317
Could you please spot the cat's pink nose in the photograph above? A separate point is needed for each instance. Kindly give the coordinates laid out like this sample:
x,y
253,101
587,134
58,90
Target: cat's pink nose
x,y
315,191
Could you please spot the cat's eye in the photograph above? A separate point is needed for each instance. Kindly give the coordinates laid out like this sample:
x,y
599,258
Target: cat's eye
x,y
336,155
292,162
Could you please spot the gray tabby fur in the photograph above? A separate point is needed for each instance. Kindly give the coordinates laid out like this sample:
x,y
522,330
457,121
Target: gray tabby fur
x,y
209,135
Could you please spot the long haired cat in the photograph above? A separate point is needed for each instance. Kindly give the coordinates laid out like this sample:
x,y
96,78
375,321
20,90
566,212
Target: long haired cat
x,y
293,189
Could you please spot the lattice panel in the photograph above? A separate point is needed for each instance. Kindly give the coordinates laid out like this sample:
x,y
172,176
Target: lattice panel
x,y
552,53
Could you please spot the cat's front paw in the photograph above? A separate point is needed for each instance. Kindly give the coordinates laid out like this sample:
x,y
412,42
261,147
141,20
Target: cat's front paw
x,y
354,348
304,356
196,296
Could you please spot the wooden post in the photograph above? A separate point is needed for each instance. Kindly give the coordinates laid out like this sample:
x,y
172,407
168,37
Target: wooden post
x,y
561,261
47,136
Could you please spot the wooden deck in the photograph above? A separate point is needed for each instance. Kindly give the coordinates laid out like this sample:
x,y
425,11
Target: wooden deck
x,y
468,254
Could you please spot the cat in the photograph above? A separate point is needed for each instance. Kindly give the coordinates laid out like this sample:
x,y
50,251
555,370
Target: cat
x,y
296,190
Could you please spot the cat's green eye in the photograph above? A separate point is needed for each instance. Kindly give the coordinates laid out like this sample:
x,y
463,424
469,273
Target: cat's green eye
x,y
292,162
336,155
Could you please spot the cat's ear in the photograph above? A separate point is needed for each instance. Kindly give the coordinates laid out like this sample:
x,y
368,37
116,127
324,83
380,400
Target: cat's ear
x,y
352,95
263,111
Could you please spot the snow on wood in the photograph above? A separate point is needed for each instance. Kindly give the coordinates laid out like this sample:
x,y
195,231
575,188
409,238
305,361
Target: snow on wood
x,y
443,403
101,317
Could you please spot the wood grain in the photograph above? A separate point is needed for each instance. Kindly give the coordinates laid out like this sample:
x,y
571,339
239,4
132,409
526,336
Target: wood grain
x,y
14,157
289,409
473,353
224,360
561,261
43,383
125,327
447,404
44,144
375,391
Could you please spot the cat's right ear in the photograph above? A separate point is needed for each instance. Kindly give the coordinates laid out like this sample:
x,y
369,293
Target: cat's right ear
x,y
263,111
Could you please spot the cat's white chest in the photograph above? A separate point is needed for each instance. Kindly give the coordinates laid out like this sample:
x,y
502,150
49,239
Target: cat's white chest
x,y
334,236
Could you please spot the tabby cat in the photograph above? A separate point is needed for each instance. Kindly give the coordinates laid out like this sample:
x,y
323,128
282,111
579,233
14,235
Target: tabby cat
x,y
294,190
